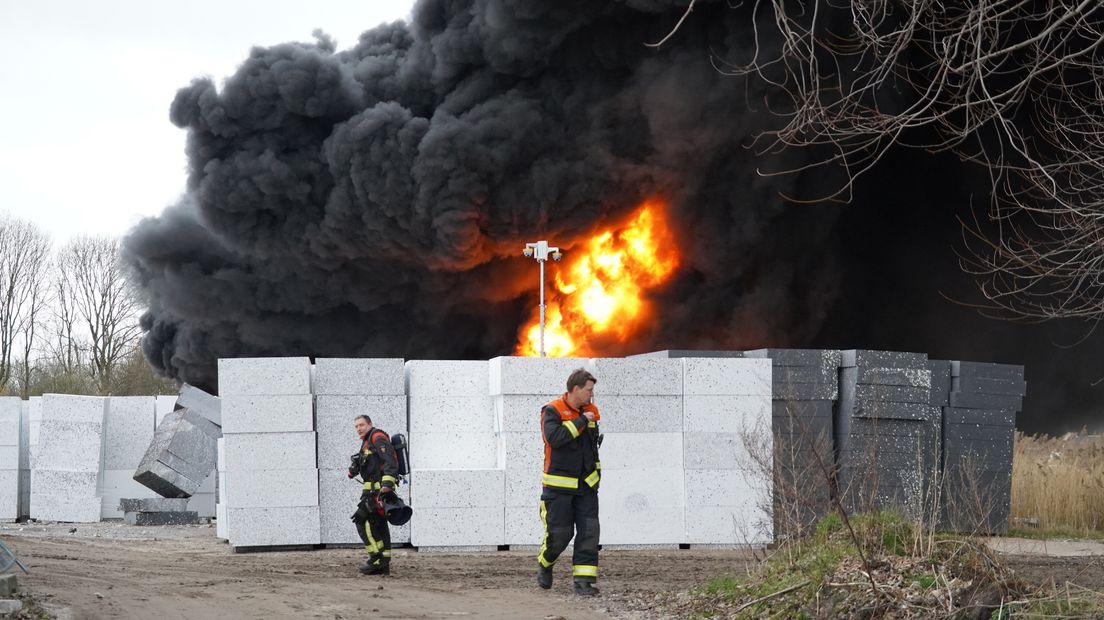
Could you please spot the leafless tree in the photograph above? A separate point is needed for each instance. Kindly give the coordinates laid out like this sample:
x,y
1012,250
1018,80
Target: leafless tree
x,y
1015,85
102,300
24,259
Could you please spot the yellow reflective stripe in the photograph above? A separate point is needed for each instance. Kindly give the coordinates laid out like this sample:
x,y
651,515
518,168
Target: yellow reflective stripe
x,y
390,479
592,424
371,486
371,546
386,553
562,482
571,428
584,570
598,465
544,541
592,479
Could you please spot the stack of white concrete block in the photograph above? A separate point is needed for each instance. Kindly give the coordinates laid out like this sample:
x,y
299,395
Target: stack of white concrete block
x,y
642,495
129,426
222,529
68,458
10,408
344,389
456,485
269,452
519,388
727,450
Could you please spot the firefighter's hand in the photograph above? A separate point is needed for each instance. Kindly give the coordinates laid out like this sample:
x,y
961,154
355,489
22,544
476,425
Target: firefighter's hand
x,y
589,415
352,473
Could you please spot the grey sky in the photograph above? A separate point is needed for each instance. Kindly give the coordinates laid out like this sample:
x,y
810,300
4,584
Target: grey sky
x,y
85,141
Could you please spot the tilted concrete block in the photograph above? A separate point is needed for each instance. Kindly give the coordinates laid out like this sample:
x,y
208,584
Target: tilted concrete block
x,y
521,451
532,375
128,430
280,413
274,487
524,526
523,487
380,376
153,504
724,413
453,451
70,445
728,525
640,450
457,488
270,527
199,401
449,414
520,412
248,452
640,414
267,376
458,527
631,376
334,419
165,481
720,376
727,487
447,378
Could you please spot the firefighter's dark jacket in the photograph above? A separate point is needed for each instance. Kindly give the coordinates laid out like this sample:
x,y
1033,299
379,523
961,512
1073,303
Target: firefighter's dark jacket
x,y
379,464
571,462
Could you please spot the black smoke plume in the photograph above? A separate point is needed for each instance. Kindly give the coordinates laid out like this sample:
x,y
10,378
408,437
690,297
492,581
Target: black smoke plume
x,y
373,202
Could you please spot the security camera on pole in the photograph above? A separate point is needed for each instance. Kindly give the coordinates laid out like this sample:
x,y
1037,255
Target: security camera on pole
x,y
541,252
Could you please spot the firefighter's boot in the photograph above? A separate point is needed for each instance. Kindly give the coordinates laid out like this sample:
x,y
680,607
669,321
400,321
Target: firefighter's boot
x,y
376,566
544,577
585,588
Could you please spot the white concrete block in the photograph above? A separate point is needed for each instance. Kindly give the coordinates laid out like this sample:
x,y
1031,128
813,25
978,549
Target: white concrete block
x,y
720,451
651,521
249,452
523,525
280,413
382,376
726,487
724,414
208,484
24,436
337,499
9,494
453,527
221,522
11,408
128,430
203,504
453,451
65,508
726,375
641,450
34,421
334,419
220,454
640,414
523,486
163,406
9,432
9,457
116,484
273,526
447,378
431,413
520,412
728,525
521,451
652,376
90,409
636,489
68,445
274,487
264,376
532,375
457,488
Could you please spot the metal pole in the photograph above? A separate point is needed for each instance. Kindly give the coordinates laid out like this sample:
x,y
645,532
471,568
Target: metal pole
x,y
541,307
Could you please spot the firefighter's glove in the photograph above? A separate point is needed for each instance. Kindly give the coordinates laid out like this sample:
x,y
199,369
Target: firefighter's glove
x,y
600,438
354,466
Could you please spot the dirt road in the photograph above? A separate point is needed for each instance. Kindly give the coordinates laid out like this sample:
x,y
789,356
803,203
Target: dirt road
x,y
110,570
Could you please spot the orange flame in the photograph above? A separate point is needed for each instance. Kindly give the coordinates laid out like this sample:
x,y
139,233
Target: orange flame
x,y
600,294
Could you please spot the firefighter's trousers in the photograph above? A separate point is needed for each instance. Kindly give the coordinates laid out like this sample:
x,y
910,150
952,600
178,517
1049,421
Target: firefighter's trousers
x,y
565,515
373,530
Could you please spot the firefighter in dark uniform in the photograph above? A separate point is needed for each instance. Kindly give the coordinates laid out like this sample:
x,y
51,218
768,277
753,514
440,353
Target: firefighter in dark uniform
x,y
378,465
569,495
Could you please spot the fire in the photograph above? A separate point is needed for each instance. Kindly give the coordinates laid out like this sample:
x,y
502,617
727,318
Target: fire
x,y
599,294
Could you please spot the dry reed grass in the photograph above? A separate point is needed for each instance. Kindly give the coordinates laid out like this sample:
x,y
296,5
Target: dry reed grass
x,y
1058,482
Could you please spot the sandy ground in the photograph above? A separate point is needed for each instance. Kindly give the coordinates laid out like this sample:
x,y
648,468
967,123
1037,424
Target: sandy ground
x,y
111,570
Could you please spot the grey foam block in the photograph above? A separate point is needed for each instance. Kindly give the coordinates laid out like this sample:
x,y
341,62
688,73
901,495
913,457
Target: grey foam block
x,y
804,391
802,408
988,370
819,358
865,393
186,517
804,374
960,400
896,411
690,353
984,417
907,377
199,401
940,382
981,385
978,432
154,504
884,359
